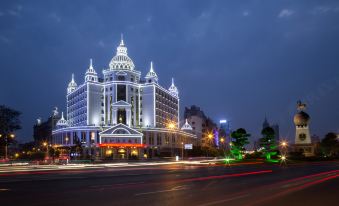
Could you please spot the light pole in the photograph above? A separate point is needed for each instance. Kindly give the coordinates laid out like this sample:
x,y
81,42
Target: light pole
x,y
182,151
210,140
171,127
6,143
283,146
45,144
68,152
92,142
222,140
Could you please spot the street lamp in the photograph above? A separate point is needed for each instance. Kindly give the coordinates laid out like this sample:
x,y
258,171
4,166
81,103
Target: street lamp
x,y
12,136
92,142
171,126
182,151
45,144
284,144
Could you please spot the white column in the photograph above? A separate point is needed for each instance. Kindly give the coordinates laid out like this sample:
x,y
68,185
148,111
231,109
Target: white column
x,y
114,116
128,116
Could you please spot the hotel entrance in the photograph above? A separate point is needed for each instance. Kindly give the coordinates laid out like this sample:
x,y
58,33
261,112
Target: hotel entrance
x,y
122,153
121,142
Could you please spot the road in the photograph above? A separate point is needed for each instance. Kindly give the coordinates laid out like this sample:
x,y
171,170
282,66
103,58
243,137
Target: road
x,y
309,184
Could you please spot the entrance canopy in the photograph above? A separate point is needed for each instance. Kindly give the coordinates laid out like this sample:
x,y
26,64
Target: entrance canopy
x,y
121,135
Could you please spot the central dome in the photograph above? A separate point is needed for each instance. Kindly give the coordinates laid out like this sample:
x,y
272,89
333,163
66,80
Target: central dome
x,y
301,119
121,60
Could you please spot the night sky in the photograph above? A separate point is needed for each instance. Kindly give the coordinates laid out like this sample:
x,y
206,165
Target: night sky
x,y
236,60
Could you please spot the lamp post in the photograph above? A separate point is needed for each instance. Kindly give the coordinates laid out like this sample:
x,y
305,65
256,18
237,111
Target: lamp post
x,y
182,151
210,140
92,142
283,146
222,141
69,156
171,127
6,143
45,144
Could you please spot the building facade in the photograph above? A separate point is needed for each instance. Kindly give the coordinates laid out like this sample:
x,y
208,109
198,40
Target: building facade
x,y
122,114
203,127
42,130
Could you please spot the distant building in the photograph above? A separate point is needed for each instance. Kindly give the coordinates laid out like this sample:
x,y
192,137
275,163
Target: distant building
x,y
224,133
275,127
42,130
202,126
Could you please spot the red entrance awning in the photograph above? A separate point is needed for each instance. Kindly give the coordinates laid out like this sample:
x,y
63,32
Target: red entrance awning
x,y
121,145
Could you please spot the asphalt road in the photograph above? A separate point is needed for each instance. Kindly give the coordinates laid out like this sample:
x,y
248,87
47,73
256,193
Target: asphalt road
x,y
251,184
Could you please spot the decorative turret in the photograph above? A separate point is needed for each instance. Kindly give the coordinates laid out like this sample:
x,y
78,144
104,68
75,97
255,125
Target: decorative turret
x,y
173,89
71,86
301,121
91,74
62,122
186,126
151,75
121,61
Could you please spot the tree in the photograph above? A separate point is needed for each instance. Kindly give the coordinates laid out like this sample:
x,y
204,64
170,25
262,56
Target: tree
x,y
330,145
9,122
268,143
239,140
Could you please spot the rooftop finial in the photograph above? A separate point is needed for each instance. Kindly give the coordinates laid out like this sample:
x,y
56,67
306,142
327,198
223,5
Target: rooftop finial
x,y
301,106
151,70
72,77
90,63
62,115
172,81
122,40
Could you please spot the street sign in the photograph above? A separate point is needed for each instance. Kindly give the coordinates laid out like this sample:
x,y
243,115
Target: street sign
x,y
188,146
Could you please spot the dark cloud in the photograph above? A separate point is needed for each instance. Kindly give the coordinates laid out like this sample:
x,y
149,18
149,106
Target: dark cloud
x,y
237,60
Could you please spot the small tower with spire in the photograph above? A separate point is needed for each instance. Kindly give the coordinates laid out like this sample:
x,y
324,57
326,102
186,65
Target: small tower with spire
x,y
122,49
186,126
151,75
62,122
72,85
91,75
173,89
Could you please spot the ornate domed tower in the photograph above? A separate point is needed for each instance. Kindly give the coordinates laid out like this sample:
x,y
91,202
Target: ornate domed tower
x,y
303,141
301,121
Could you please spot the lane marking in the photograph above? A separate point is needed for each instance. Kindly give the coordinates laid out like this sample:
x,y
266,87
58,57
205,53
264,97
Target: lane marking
x,y
4,189
224,200
178,188
119,184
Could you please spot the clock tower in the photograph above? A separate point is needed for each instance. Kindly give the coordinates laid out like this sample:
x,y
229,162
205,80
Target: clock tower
x,y
302,134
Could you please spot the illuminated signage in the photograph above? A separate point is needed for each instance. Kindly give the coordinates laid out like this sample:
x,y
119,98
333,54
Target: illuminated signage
x,y
188,146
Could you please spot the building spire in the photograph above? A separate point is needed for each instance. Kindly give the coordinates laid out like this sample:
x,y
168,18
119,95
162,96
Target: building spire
x,y
73,78
151,75
122,49
90,63
173,89
122,39
151,69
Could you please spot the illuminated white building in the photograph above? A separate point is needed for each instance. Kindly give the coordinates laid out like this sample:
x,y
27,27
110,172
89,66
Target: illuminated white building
x,y
122,113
